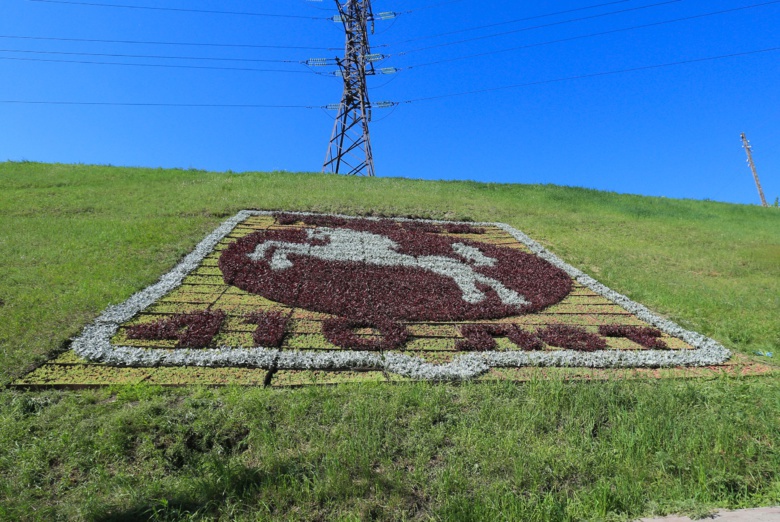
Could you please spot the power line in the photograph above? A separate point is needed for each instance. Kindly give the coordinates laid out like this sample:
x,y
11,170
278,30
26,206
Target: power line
x,y
155,56
185,105
160,66
179,10
592,35
152,42
436,62
526,19
410,101
256,46
541,26
594,75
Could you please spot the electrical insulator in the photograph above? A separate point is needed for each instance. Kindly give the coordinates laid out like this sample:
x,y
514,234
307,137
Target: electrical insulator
x,y
317,62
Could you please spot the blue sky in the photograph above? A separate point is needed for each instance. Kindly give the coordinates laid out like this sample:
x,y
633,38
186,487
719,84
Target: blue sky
x,y
668,131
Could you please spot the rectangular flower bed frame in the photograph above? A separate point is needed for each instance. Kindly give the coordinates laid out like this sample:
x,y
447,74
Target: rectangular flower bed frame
x,y
94,343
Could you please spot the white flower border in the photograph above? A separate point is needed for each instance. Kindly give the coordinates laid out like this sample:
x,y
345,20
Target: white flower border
x,y
94,343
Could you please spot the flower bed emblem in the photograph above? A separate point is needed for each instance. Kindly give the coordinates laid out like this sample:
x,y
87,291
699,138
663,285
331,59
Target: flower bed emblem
x,y
345,245
384,270
294,293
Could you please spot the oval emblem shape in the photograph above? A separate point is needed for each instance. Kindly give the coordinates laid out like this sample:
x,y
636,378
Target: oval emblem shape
x,y
381,269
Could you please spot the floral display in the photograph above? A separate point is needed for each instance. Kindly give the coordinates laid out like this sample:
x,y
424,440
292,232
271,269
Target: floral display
x,y
572,337
645,336
193,330
481,337
383,269
299,292
340,331
462,228
271,327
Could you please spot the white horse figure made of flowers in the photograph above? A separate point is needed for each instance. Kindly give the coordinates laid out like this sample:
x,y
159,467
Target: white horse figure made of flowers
x,y
341,244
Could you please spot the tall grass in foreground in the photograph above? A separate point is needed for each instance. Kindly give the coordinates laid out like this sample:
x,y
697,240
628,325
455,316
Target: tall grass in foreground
x,y
545,450
77,238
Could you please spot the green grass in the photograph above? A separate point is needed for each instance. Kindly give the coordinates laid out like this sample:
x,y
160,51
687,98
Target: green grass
x,y
78,238
546,450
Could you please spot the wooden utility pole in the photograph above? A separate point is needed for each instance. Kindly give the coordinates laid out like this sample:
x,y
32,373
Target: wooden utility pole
x,y
747,147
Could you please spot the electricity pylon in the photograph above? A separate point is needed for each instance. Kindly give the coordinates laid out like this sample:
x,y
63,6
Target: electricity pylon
x,y
349,150
749,151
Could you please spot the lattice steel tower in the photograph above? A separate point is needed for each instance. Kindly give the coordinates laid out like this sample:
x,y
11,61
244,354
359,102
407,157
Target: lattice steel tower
x,y
349,150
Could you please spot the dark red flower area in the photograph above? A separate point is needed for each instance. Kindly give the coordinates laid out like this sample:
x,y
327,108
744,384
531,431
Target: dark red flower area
x,y
572,338
359,290
481,337
369,225
645,336
192,330
326,221
459,228
525,340
416,226
341,332
271,328
284,218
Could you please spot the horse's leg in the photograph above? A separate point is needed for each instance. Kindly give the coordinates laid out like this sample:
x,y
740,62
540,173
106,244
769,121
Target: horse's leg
x,y
473,254
462,275
279,260
467,278
261,249
471,294
507,295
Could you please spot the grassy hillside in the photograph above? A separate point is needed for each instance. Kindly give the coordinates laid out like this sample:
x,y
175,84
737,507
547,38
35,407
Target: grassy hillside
x,y
78,238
